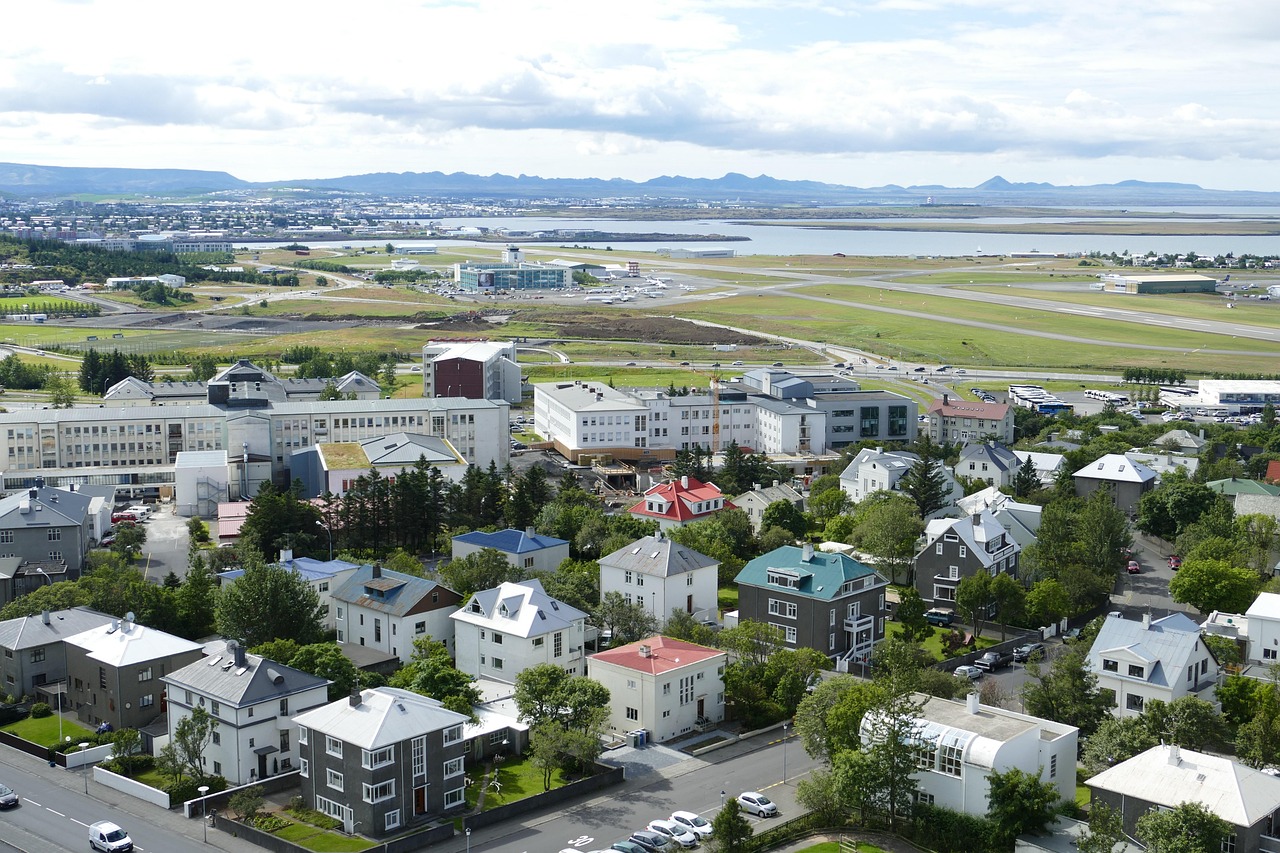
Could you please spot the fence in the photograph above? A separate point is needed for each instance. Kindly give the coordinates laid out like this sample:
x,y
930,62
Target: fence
x,y
73,759
403,844
133,788
607,777
212,802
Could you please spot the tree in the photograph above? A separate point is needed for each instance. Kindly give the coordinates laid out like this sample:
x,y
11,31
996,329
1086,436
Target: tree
x,y
1117,739
279,518
891,745
1066,692
925,483
129,541
1026,481
910,615
62,595
539,693
828,719
195,598
1209,585
547,743
681,625
1186,828
574,582
1188,721
822,795
125,743
627,621
888,530
62,394
1106,830
785,514
1047,602
1019,803
485,569
1102,535
269,602
1258,738
730,830
1174,505
326,660
974,600
430,671
247,802
191,736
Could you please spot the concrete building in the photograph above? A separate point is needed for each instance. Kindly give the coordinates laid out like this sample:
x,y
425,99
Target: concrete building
x,y
1047,465
525,549
952,420
989,462
662,576
756,501
479,370
502,632
879,470
253,701
1167,776
678,502
333,466
383,759
1163,659
963,743
665,687
387,611
957,548
115,672
510,277
32,655
44,525
238,381
1127,481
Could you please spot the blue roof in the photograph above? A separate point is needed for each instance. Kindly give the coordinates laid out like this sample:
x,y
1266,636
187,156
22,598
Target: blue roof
x,y
820,576
511,541
307,567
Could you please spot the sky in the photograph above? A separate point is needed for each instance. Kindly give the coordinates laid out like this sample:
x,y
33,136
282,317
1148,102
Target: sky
x,y
854,92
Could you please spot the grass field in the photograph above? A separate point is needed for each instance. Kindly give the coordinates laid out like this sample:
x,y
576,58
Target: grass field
x,y
933,644
1002,276
834,847
322,840
1197,306
44,730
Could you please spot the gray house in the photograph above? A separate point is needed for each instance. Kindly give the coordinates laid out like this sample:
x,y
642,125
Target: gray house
x,y
1127,481
828,602
382,759
45,525
31,650
957,548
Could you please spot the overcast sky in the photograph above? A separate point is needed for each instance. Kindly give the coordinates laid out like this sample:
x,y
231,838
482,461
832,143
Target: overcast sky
x,y
852,92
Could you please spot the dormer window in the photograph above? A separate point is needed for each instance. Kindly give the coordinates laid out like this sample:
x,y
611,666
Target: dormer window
x,y
779,577
475,607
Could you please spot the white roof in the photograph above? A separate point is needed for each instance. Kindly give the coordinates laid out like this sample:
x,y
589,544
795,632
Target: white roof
x,y
589,396
121,643
1265,606
1169,776
522,609
1117,468
384,716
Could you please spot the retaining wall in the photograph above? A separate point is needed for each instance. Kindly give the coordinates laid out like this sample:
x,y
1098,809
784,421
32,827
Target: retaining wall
x,y
133,788
608,777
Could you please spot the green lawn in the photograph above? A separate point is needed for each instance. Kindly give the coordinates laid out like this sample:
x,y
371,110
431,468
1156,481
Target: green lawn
x,y
834,847
518,779
44,730
314,838
727,598
933,645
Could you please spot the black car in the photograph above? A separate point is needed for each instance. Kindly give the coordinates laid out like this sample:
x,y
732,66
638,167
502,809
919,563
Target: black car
x,y
1024,653
12,713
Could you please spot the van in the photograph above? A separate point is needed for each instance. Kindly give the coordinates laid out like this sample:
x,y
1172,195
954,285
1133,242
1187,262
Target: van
x,y
109,838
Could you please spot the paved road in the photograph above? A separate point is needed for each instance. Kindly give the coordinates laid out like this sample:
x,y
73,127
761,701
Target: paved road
x,y
166,546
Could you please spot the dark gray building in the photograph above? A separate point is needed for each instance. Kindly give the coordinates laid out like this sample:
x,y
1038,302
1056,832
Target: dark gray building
x,y
46,525
828,602
32,653
958,548
382,759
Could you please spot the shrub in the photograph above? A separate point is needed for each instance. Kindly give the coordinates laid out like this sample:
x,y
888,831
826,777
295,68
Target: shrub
x,y
296,803
41,709
247,802
950,831
269,823
311,816
188,789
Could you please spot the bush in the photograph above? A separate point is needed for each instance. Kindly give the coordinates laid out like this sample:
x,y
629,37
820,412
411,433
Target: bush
x,y
188,789
948,831
41,709
311,816
247,802
269,823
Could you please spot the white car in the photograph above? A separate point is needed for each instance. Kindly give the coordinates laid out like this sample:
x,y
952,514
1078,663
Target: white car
x,y
675,831
694,822
753,802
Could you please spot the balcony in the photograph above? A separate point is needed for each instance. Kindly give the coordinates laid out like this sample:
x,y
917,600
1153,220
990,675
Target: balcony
x,y
859,623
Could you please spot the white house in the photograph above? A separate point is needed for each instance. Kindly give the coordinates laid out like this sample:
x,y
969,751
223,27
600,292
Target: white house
x,y
988,461
1163,659
756,501
1263,621
387,611
1021,521
663,576
1047,465
963,743
876,470
253,700
525,549
666,687
502,632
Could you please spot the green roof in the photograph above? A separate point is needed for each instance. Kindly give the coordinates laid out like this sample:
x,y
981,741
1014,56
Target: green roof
x,y
820,576
1234,486
344,455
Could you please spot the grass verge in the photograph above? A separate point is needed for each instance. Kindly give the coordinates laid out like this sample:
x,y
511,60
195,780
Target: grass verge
x,y
323,841
44,730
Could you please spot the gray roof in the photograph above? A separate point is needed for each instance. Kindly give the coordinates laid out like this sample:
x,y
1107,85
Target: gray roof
x,y
384,716
1115,468
259,680
27,632
1166,645
393,593
992,452
44,507
405,449
657,556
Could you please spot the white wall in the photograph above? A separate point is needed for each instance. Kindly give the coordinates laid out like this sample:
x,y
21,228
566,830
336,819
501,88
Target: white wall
x,y
661,713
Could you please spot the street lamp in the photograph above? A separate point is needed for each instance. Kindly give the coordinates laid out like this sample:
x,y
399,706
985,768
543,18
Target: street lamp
x,y
84,765
45,575
721,798
784,753
204,811
468,839
320,523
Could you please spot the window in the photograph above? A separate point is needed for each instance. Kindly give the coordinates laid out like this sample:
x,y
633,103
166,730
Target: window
x,y
392,819
786,609
949,758
922,797
1053,767
284,707
633,714
217,738
37,656
147,701
557,644
688,579
497,663
379,792
284,740
686,690
831,622
418,749
302,733
377,758
333,779
496,738
452,735
538,642
497,638
1136,671
217,768
333,746
305,769
1134,702
1110,665
1269,654
214,707
452,767
1229,844
964,551
454,797
788,631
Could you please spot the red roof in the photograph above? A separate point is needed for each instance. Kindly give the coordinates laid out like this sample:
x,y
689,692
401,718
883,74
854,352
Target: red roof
x,y
680,497
1273,471
967,409
665,654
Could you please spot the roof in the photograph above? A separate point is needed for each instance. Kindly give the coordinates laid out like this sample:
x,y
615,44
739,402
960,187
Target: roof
x,y
1182,438
990,727
657,556
663,655
200,459
27,632
770,494
42,506
392,593
989,451
1265,606
258,680
1117,468
1169,776
123,643
819,574
405,449
1233,486
511,541
1166,646
523,609
680,497
310,569
900,461
1041,461
383,716
975,531
957,408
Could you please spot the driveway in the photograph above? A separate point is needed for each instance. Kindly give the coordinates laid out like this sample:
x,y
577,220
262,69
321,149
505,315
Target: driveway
x,y
166,547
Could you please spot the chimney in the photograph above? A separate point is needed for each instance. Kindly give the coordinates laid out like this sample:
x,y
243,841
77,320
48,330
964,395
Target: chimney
x,y
33,493
806,552
377,570
1175,755
946,398
44,616
530,532
238,651
646,651
354,699
756,486
974,518
971,702
684,482
1146,620
286,557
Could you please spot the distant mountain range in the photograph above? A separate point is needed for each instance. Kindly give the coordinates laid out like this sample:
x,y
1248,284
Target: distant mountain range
x,y
26,181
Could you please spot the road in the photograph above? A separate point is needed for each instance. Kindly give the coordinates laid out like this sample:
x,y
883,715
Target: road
x,y
694,785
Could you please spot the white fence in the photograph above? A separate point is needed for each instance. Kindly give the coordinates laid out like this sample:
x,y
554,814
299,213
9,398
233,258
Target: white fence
x,y
92,755
128,786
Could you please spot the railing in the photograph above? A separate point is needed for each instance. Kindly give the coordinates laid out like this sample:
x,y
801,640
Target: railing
x,y
1268,844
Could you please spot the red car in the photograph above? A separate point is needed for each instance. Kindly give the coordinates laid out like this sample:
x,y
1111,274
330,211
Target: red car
x,y
1133,568
1175,562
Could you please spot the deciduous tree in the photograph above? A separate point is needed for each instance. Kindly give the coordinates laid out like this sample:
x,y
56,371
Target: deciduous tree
x,y
1186,828
1019,803
269,602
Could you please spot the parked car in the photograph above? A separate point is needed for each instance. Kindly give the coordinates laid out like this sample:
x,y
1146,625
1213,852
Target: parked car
x,y
694,822
970,672
11,713
109,838
753,802
1133,568
1024,653
1175,562
676,832
628,847
1071,635
991,661
917,370
654,842
941,618
107,541
8,797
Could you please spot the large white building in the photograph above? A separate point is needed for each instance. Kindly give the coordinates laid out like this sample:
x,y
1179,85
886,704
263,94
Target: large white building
x,y
666,687
1228,396
662,576
501,632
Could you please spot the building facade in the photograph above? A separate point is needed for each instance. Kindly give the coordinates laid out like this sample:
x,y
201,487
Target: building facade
x,y
387,611
957,548
503,631
524,549
662,576
953,421
1163,659
32,654
666,687
679,502
480,370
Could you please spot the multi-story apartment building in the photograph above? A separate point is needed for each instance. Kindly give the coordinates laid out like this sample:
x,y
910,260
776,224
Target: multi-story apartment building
x,y
32,653
503,631
481,370
387,611
666,687
957,548
46,527
662,576
952,421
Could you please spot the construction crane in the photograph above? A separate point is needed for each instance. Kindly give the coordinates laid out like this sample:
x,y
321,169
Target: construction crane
x,y
713,388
